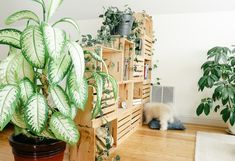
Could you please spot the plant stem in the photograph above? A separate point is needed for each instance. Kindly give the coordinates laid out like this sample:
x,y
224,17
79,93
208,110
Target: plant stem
x,y
44,10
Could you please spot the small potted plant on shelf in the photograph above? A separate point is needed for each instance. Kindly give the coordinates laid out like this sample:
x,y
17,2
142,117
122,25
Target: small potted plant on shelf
x,y
119,22
43,84
218,75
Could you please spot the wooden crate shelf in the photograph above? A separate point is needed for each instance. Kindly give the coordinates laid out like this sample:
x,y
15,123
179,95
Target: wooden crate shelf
x,y
126,93
128,120
109,109
86,148
146,91
146,23
147,48
138,68
128,68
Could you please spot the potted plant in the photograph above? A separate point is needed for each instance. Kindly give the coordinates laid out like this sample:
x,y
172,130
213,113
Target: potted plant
x,y
44,83
119,22
218,75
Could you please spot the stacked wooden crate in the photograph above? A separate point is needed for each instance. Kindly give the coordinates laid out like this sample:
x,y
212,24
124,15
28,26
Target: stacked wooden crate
x,y
147,38
129,70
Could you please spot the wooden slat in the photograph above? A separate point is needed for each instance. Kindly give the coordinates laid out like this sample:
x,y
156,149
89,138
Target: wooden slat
x,y
137,117
124,132
104,119
124,120
124,126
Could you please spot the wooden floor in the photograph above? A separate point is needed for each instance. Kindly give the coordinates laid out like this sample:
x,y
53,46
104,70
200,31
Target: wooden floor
x,y
144,145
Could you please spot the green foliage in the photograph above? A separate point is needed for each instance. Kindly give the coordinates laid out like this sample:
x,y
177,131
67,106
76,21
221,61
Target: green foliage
x,y
40,57
218,74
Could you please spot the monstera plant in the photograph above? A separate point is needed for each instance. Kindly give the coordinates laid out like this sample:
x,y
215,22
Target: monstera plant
x,y
43,82
219,75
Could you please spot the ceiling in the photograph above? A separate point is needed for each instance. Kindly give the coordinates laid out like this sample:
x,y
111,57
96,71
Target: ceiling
x,y
88,9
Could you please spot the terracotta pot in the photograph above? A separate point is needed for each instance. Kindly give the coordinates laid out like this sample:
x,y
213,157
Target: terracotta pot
x,y
28,149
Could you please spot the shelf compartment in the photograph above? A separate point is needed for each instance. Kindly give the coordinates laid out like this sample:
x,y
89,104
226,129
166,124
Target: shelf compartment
x,y
137,68
109,110
126,94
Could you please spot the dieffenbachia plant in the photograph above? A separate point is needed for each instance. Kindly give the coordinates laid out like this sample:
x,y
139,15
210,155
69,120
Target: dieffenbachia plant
x,y
219,75
43,82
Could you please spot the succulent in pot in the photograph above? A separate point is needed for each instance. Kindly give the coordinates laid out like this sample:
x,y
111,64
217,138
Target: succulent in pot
x,y
219,75
43,84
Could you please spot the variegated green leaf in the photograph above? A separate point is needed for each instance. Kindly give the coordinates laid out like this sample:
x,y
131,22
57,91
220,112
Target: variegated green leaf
x,y
64,128
60,99
78,60
21,15
33,48
99,91
47,134
26,89
39,1
74,111
93,55
9,97
54,4
9,69
18,118
25,69
36,113
10,37
113,83
70,21
57,69
78,90
55,40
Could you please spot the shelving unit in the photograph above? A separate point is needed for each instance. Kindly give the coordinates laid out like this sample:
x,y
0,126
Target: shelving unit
x,y
130,71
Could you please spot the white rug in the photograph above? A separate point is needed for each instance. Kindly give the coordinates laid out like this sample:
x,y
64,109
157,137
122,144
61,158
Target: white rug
x,y
214,147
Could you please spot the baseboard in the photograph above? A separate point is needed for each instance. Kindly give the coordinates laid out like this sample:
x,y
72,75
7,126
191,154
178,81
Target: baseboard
x,y
202,121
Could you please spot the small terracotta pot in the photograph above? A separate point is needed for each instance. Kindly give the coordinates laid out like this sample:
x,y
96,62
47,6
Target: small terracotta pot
x,y
28,149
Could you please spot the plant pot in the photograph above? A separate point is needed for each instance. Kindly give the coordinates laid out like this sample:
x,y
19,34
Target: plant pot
x,y
231,128
125,26
28,149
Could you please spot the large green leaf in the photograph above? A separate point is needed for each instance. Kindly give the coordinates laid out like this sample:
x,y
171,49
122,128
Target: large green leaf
x,y
78,60
10,37
21,15
18,118
78,90
33,48
57,69
26,89
64,128
113,82
74,111
47,133
55,40
54,4
25,69
9,97
36,113
70,21
94,55
99,91
9,69
60,99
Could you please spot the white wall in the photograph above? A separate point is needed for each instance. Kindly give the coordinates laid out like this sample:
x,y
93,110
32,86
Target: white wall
x,y
183,40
